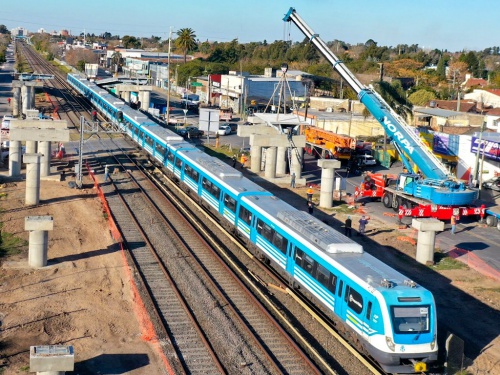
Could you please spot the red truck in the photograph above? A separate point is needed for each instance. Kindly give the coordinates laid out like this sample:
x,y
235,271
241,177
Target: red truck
x,y
385,186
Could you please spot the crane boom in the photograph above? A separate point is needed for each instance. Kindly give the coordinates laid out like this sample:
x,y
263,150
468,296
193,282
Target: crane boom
x,y
402,135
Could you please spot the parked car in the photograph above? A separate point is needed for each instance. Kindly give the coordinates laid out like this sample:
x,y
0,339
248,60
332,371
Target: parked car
x,y
365,160
493,184
233,126
191,132
6,121
224,130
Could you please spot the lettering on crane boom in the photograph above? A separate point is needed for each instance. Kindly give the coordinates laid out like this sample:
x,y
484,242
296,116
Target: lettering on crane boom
x,y
397,134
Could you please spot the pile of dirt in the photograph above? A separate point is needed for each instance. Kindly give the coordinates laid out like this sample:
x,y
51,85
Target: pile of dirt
x,y
82,298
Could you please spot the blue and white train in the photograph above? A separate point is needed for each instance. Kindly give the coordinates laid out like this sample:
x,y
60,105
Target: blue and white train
x,y
381,311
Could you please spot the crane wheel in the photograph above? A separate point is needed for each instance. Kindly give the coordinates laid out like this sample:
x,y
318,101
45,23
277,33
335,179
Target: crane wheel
x,y
387,200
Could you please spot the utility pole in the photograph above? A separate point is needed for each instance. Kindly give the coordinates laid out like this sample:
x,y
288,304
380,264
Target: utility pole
x,y
476,171
168,70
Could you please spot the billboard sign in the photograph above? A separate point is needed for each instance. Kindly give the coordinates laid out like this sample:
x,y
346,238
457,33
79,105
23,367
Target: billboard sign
x,y
491,149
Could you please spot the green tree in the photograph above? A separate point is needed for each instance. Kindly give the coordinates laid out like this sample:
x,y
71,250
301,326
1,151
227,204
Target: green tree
x,y
131,42
116,59
421,97
186,41
4,30
441,68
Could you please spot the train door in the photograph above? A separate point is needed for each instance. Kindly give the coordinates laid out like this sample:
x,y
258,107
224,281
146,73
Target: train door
x,y
340,305
353,309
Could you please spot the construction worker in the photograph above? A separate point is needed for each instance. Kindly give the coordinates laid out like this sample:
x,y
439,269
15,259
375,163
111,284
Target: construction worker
x,y
243,160
310,193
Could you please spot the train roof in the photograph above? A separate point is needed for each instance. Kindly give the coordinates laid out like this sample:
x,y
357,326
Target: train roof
x,y
331,244
161,133
231,178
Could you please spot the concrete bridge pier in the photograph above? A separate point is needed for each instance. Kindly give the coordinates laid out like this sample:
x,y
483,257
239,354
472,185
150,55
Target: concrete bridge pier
x,y
24,99
38,226
328,167
426,240
297,155
281,161
15,158
16,101
270,169
255,158
44,148
32,179
52,359
31,147
146,100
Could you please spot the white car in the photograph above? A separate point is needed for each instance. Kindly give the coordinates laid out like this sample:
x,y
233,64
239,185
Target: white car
x,y
364,160
224,130
6,121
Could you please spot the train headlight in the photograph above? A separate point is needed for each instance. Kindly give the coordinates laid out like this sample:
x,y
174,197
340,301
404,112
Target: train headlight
x,y
433,343
390,343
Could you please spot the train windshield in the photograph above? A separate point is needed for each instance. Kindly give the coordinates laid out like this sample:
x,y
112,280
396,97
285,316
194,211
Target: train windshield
x,y
411,319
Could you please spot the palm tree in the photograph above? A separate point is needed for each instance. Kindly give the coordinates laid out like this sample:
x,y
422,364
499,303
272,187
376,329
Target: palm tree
x,y
186,40
116,59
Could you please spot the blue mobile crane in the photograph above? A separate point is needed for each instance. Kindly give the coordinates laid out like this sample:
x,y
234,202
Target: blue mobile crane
x,y
435,188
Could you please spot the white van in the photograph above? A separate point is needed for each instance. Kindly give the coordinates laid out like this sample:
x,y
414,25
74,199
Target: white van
x,y
365,160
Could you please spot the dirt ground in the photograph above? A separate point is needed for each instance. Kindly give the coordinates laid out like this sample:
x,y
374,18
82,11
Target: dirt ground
x,y
84,297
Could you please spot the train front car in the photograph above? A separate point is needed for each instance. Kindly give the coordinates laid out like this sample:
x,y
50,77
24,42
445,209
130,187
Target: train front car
x,y
385,315
409,344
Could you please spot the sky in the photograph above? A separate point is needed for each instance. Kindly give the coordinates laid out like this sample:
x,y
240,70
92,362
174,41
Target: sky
x,y
453,25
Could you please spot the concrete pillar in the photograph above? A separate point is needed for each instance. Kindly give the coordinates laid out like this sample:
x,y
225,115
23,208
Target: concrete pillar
x,y
32,179
31,94
255,158
44,148
31,147
24,98
296,165
16,101
327,178
15,158
270,170
52,359
427,228
126,96
38,226
146,100
281,161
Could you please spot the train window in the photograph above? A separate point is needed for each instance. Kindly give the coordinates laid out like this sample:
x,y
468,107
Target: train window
x,y
308,264
230,203
410,319
159,149
211,188
354,300
280,242
299,255
369,311
340,288
178,163
170,157
245,215
264,230
136,131
148,140
193,174
326,278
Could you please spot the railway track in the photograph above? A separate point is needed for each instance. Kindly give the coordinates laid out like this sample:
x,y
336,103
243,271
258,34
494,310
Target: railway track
x,y
232,325
66,105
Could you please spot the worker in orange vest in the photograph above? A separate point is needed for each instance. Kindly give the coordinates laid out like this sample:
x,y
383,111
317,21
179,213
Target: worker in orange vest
x,y
310,193
243,160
